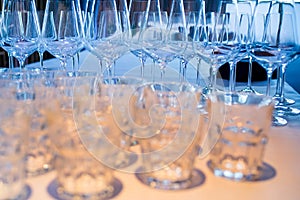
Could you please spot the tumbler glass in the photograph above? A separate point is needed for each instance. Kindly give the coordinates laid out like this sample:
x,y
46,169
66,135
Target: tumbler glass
x,y
80,175
14,129
242,120
167,119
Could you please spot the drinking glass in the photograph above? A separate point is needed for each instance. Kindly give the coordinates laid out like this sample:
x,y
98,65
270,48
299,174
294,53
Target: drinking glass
x,y
272,46
62,29
137,14
246,8
170,36
243,121
108,31
192,10
41,47
216,42
80,175
244,16
20,29
282,106
112,107
167,123
15,126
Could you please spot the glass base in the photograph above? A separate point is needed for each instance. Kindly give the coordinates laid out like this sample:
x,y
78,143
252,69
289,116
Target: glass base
x,y
279,121
197,178
45,169
58,193
264,172
285,102
249,89
286,111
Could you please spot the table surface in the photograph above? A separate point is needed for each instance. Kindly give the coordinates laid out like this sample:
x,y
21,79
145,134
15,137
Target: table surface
x,y
282,154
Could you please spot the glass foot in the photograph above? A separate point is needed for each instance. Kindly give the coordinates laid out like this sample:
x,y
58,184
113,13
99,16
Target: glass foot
x,y
286,111
279,121
285,102
264,172
289,101
56,192
197,178
249,89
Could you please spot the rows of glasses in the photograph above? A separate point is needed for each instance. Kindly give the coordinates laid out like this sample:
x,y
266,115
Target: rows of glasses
x,y
85,127
215,33
76,119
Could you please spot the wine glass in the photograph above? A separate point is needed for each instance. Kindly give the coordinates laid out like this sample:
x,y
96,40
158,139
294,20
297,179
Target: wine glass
x,y
216,42
282,108
192,9
108,33
20,29
243,7
244,14
41,46
164,40
273,46
62,29
137,14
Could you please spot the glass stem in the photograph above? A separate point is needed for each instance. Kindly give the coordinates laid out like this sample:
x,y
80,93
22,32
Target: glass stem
x,y
269,77
142,60
101,67
41,55
10,61
184,68
232,75
280,82
63,64
249,84
198,72
22,63
153,68
213,78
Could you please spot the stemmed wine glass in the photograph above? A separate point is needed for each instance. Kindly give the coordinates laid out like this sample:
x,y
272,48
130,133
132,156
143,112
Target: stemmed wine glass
x,y
164,40
282,104
62,29
216,42
273,46
20,29
108,34
137,15
244,16
192,9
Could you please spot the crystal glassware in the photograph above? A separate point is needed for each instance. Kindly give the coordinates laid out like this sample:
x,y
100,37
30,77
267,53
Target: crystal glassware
x,y
20,29
62,29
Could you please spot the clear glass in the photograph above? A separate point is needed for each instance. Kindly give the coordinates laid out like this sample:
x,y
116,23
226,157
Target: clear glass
x,y
164,37
191,10
20,29
273,47
282,107
243,121
137,14
80,174
108,31
15,127
216,42
62,29
167,121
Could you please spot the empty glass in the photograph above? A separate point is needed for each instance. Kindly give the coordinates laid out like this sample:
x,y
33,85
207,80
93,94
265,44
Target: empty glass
x,y
80,175
167,131
243,121
62,29
20,29
14,130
